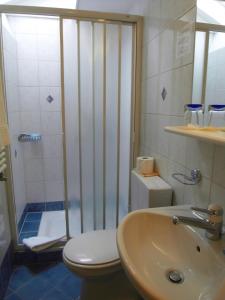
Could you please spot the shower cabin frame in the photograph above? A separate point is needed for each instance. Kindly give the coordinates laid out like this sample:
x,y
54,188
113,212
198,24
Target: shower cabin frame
x,y
137,31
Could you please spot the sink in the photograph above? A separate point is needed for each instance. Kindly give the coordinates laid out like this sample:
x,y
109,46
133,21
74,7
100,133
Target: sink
x,y
171,262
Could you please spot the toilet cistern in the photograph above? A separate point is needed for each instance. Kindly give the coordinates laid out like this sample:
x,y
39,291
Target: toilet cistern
x,y
213,224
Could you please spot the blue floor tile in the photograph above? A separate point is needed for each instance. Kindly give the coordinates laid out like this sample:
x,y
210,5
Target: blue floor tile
x,y
30,226
70,286
43,282
35,289
56,295
55,273
13,297
8,292
19,277
33,216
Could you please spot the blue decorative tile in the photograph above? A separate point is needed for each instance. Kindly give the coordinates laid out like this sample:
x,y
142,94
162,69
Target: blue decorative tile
x,y
33,216
35,289
30,226
56,295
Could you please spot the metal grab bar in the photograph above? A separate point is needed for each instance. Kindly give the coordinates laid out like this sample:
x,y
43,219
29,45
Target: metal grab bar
x,y
194,179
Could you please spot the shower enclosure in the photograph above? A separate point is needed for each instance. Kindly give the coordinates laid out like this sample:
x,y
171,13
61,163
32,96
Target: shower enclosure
x,y
71,85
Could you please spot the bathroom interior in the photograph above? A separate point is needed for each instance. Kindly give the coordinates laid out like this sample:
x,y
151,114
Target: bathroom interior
x,y
112,157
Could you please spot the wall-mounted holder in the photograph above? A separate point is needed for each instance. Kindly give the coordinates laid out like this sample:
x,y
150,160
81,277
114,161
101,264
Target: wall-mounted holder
x,y
194,179
32,137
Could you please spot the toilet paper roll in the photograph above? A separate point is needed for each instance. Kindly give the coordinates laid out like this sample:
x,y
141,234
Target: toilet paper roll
x,y
145,165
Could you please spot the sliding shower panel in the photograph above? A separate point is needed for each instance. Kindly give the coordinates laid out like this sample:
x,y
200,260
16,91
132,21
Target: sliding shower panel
x,y
97,75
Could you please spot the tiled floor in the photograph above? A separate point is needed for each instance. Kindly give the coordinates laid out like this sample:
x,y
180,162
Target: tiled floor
x,y
39,282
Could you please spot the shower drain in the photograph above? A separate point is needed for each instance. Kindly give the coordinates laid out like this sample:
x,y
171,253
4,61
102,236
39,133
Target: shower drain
x,y
175,276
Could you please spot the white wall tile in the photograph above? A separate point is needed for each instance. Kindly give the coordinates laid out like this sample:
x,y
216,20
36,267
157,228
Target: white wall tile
x,y
178,188
197,195
219,166
48,47
29,99
22,24
200,155
34,170
35,191
53,169
32,150
30,122
48,26
26,46
51,122
151,94
12,97
152,23
167,49
14,123
28,72
153,57
177,144
52,146
54,191
10,68
162,135
49,73
218,195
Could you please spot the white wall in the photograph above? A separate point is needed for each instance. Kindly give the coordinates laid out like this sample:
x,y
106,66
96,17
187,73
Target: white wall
x,y
163,68
13,111
38,61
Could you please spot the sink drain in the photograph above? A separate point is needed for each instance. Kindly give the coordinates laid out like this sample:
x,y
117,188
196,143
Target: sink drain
x,y
175,276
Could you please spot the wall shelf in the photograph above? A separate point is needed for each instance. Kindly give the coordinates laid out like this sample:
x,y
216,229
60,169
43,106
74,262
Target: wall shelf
x,y
213,136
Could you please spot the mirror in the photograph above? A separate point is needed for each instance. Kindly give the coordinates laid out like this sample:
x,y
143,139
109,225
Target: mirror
x,y
209,60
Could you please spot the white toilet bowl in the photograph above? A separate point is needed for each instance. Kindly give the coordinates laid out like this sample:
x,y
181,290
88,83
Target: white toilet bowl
x,y
94,257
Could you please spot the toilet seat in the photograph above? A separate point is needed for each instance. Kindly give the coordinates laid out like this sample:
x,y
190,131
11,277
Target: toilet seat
x,y
92,253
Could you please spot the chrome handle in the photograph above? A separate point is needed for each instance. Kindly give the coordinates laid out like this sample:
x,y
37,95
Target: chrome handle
x,y
210,212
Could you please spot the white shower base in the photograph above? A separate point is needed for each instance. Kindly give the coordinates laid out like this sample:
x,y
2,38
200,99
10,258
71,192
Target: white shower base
x,y
53,224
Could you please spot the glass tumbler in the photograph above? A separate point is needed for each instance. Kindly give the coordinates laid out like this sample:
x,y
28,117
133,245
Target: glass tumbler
x,y
194,114
216,115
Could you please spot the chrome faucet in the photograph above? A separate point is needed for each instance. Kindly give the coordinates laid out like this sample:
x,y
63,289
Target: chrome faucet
x,y
213,224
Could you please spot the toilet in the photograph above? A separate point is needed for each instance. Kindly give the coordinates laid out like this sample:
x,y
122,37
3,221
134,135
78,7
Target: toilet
x,y
94,257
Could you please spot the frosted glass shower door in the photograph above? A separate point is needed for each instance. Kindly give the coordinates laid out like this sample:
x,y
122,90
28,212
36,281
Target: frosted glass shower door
x,y
97,79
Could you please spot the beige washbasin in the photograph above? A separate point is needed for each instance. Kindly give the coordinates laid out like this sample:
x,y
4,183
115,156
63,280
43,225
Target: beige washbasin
x,y
150,246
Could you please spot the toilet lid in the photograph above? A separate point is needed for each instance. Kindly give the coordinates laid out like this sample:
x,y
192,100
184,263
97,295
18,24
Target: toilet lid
x,y
91,248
